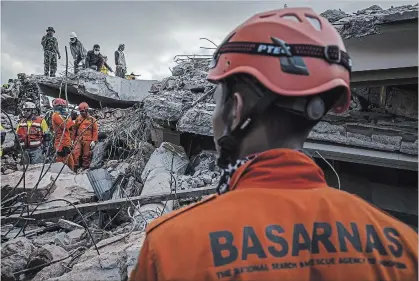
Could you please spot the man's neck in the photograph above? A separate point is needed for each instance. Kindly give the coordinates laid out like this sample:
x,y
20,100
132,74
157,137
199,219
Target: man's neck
x,y
260,140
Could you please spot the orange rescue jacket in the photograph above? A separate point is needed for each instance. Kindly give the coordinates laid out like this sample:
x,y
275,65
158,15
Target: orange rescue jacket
x,y
86,129
280,221
58,125
32,137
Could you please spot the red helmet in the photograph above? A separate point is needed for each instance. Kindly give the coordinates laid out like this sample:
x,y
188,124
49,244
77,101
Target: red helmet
x,y
59,101
83,106
292,52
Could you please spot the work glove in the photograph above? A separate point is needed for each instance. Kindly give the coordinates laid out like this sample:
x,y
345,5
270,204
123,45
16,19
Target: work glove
x,y
92,144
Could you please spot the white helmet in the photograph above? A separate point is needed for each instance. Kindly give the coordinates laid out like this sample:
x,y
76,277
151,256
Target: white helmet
x,y
29,105
73,35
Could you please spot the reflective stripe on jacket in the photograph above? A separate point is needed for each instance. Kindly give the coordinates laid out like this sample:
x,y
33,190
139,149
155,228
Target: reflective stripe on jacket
x,y
31,132
86,129
62,129
280,221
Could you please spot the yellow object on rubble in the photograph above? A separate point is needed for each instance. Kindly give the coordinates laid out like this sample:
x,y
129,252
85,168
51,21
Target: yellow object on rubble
x,y
104,70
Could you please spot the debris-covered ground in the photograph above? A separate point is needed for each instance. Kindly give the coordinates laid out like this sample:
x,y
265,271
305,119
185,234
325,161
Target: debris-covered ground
x,y
90,225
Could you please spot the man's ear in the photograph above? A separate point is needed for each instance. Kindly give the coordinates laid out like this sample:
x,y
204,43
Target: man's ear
x,y
237,109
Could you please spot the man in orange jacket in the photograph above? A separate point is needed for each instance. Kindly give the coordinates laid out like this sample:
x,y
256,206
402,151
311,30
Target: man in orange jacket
x,y
275,217
62,126
85,136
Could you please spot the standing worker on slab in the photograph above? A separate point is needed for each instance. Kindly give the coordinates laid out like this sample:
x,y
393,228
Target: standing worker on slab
x,y
275,217
78,52
62,125
50,45
121,65
33,134
85,136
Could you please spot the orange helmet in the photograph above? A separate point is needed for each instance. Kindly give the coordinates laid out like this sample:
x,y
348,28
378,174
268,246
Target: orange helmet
x,y
83,106
59,101
292,52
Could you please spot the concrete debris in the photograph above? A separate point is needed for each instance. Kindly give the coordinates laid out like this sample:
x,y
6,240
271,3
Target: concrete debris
x,y
52,253
159,177
177,93
16,254
96,88
118,257
68,225
367,21
334,15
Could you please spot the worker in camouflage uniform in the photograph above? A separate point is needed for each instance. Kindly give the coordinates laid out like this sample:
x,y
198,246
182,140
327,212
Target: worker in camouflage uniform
x,y
50,45
28,91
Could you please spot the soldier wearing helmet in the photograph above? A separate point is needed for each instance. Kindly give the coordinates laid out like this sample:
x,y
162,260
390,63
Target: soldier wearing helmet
x,y
275,217
85,136
33,134
62,126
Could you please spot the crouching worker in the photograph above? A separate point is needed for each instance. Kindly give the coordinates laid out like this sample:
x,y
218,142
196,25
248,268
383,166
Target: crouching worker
x,y
85,137
33,134
62,126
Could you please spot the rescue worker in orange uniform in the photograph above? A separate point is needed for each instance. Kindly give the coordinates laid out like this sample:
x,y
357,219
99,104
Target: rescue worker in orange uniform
x,y
62,125
275,217
85,136
33,134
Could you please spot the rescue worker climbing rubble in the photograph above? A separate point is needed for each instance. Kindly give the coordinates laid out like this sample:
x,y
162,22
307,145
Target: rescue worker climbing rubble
x,y
78,52
33,134
85,136
275,217
62,125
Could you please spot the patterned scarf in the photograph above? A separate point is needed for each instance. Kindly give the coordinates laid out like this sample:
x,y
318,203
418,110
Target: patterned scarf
x,y
227,174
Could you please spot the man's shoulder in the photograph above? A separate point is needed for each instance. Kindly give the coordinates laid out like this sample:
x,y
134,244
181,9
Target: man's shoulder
x,y
177,215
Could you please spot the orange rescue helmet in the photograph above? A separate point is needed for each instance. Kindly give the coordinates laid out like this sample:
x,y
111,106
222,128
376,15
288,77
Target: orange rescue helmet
x,y
292,52
83,106
59,101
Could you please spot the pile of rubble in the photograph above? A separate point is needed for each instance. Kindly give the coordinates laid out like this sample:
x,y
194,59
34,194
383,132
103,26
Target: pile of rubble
x,y
135,176
366,21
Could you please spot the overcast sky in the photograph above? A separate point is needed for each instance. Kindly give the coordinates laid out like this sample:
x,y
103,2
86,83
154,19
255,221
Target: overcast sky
x,y
153,32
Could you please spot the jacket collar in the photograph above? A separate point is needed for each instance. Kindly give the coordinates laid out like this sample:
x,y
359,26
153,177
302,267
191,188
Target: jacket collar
x,y
279,169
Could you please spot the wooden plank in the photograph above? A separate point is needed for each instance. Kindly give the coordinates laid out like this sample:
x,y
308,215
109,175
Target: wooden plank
x,y
70,211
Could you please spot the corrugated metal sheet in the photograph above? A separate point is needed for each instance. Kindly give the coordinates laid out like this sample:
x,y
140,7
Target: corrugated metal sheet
x,y
102,183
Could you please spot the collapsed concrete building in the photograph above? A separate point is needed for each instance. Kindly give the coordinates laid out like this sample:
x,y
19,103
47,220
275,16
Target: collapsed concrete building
x,y
156,153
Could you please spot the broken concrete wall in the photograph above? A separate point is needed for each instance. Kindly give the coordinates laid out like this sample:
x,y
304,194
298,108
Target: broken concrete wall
x,y
96,87
116,261
367,21
66,185
158,177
